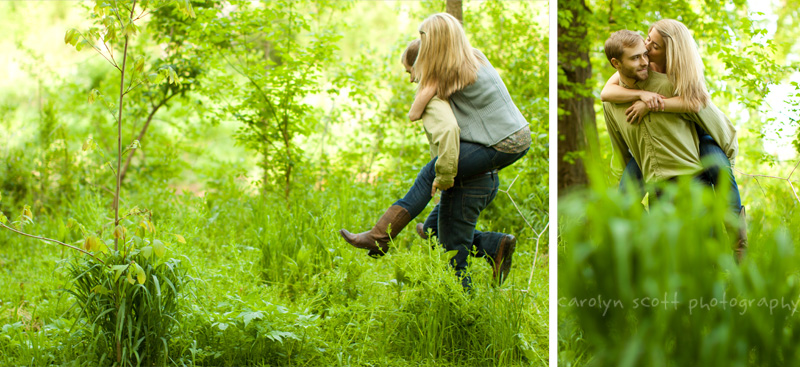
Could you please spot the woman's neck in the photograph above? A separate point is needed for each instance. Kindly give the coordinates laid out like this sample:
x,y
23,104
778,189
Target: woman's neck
x,y
658,68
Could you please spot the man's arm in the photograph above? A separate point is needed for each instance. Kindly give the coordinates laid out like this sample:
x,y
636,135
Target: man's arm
x,y
620,154
444,137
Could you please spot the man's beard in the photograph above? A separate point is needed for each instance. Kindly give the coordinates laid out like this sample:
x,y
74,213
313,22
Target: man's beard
x,y
632,74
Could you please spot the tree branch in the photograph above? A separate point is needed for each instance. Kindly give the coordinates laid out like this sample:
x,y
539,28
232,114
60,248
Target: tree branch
x,y
142,132
52,240
787,179
538,237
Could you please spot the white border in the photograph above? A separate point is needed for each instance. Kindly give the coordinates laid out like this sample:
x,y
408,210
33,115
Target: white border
x,y
553,182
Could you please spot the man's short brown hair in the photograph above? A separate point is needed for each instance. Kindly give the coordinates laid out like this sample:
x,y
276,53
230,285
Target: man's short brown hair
x,y
616,43
409,56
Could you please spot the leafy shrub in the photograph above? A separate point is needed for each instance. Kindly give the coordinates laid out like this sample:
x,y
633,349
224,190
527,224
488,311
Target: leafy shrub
x,y
128,321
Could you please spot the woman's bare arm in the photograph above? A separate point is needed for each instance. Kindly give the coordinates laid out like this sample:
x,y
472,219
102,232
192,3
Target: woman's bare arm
x,y
420,101
638,110
615,93
678,105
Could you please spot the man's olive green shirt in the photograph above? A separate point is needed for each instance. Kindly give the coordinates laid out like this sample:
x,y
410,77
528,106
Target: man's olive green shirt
x,y
665,145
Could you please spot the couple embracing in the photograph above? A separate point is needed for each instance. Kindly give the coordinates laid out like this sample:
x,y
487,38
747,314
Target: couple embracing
x,y
474,130
661,120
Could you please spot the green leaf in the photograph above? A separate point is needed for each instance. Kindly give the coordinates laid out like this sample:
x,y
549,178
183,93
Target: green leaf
x,y
159,248
83,43
135,210
134,145
92,97
119,231
100,289
140,275
180,238
130,29
26,212
250,316
278,336
222,326
118,269
93,244
146,251
72,36
3,218
185,6
139,67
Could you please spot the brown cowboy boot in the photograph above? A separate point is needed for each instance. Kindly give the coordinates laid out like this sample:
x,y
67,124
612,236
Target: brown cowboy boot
x,y
502,259
741,237
376,240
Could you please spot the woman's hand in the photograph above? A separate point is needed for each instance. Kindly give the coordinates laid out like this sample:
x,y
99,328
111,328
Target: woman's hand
x,y
654,101
636,112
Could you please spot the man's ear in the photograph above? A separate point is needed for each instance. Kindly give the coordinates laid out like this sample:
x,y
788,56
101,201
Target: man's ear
x,y
615,62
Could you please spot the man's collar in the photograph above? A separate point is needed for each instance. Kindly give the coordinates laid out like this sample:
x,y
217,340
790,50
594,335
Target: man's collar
x,y
636,84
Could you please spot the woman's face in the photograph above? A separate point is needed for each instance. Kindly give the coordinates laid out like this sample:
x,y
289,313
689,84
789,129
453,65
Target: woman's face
x,y
656,49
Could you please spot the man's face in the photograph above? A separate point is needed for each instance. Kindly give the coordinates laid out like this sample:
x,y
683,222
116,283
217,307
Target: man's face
x,y
410,72
656,50
634,62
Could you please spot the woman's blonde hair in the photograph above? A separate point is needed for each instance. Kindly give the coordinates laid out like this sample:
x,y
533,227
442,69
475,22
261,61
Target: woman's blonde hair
x,y
445,56
684,65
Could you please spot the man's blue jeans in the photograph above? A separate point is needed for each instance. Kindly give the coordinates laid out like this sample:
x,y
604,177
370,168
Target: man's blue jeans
x,y
717,169
456,216
454,219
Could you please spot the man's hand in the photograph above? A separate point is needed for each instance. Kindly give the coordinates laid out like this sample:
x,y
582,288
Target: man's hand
x,y
437,186
636,112
654,101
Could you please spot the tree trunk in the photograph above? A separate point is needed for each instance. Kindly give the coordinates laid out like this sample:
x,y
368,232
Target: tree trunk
x,y
454,8
576,117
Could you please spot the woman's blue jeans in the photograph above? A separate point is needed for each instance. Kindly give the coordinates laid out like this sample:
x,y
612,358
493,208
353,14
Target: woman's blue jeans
x,y
717,170
453,220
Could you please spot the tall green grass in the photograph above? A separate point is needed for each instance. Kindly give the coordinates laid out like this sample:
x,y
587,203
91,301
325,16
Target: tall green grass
x,y
271,285
662,288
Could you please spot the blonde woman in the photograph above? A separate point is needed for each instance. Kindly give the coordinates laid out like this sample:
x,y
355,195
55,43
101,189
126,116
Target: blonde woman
x,y
672,51
493,134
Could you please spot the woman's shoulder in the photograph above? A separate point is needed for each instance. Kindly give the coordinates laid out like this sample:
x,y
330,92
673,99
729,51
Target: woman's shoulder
x,y
484,61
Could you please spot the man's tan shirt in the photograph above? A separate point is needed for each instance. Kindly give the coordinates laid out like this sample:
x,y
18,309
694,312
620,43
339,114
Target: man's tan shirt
x,y
443,135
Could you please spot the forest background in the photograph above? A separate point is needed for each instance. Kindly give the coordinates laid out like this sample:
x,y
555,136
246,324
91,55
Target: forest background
x,y
252,132
629,251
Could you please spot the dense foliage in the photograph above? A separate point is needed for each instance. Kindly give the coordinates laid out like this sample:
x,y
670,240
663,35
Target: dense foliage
x,y
658,285
254,131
